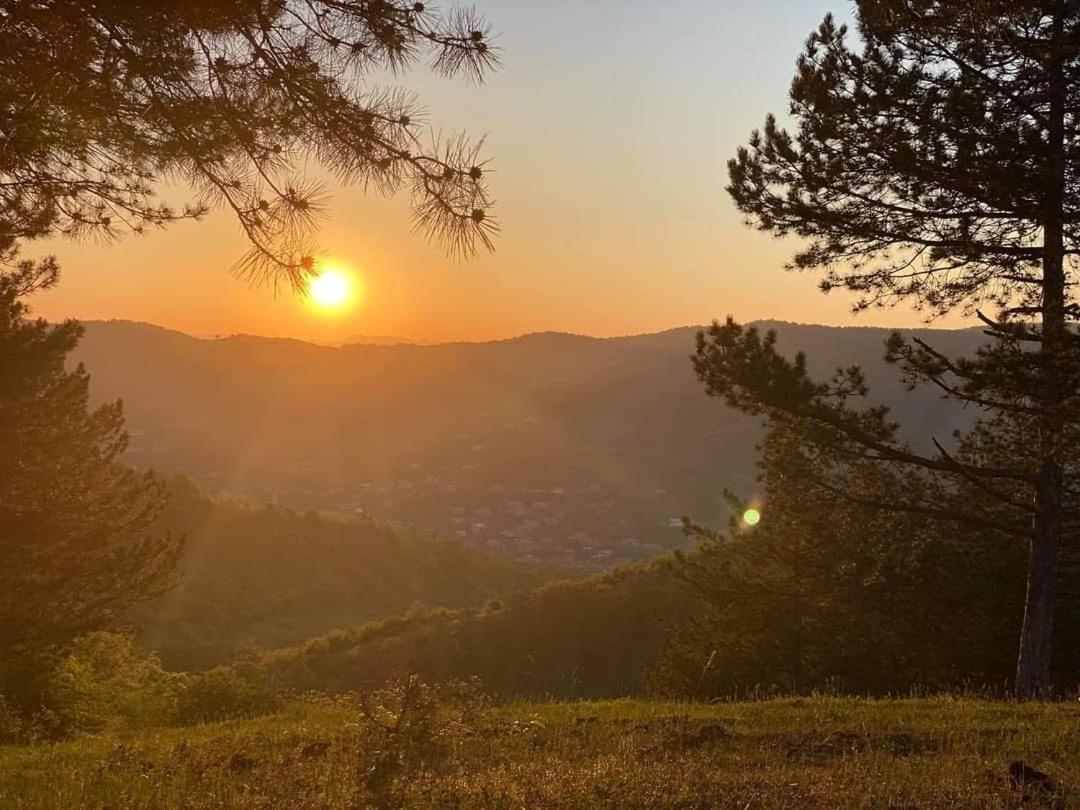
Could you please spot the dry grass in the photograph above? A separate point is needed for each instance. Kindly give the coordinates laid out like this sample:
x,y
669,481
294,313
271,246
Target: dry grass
x,y
812,753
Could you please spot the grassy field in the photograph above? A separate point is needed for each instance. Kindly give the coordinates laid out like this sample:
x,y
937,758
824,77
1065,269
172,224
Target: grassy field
x,y
795,753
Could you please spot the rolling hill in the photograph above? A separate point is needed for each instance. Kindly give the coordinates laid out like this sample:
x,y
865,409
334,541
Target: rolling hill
x,y
555,449
273,576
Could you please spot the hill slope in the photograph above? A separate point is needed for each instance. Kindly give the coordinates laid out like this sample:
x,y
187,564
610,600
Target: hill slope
x,y
552,448
806,753
597,637
276,577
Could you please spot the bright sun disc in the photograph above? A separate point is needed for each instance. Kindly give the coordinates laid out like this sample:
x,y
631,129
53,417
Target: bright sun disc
x,y
330,289
751,517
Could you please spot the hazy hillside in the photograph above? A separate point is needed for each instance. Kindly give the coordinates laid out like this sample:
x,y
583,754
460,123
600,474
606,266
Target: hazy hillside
x,y
276,577
553,448
590,638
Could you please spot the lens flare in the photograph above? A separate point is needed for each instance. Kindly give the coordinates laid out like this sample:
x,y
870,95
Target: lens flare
x,y
751,517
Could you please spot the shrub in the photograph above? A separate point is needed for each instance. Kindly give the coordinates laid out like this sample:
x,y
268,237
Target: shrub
x,y
412,726
105,680
227,693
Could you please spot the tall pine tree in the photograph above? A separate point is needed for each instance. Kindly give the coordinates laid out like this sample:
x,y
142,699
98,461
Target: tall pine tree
x,y
827,590
76,546
939,165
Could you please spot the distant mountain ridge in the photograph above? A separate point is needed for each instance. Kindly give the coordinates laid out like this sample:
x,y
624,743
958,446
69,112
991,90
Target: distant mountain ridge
x,y
549,448
380,340
352,340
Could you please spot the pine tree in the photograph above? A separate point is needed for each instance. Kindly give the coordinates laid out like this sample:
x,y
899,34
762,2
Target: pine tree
x,y
104,101
937,165
76,546
828,591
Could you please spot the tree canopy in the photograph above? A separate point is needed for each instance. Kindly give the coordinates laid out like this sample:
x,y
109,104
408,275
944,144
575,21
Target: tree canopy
x,y
76,546
938,164
106,101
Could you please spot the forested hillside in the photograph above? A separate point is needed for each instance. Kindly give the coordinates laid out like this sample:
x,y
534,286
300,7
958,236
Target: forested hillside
x,y
274,577
551,449
596,637
855,601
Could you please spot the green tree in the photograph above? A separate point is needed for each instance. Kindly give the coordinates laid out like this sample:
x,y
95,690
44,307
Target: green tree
x,y
103,103
936,165
828,591
75,547
104,100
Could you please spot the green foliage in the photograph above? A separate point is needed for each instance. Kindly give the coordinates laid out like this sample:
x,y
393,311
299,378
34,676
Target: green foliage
x,y
919,150
277,577
226,693
11,724
828,594
595,637
102,682
107,681
225,96
76,545
935,164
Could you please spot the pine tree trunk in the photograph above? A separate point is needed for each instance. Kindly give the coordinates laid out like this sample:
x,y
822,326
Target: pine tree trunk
x,y
1033,665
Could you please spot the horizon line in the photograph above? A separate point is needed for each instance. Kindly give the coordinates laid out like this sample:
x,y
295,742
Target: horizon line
x,y
387,341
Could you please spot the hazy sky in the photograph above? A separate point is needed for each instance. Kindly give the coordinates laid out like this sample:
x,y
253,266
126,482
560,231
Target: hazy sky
x,y
610,125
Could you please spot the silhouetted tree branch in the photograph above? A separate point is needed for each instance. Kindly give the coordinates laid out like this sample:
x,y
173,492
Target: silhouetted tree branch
x,y
936,164
105,102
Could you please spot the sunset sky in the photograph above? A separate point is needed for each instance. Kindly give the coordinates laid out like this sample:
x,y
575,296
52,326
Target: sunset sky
x,y
610,126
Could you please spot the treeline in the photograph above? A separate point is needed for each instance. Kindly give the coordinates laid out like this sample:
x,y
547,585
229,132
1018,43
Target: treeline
x,y
273,577
828,592
824,594
588,638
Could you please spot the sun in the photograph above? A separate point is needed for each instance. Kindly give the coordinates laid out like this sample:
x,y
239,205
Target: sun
x,y
751,517
331,289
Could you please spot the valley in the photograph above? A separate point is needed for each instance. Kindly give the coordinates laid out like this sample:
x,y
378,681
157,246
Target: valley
x,y
551,450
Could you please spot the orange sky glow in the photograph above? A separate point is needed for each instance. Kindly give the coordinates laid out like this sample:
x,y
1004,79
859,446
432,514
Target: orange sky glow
x,y
610,161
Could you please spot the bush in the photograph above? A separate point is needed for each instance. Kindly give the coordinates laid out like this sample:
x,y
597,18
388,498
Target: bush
x,y
227,693
412,726
104,681
107,681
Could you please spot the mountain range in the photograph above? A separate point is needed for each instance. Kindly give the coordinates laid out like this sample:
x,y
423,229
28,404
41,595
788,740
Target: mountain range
x,y
553,449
